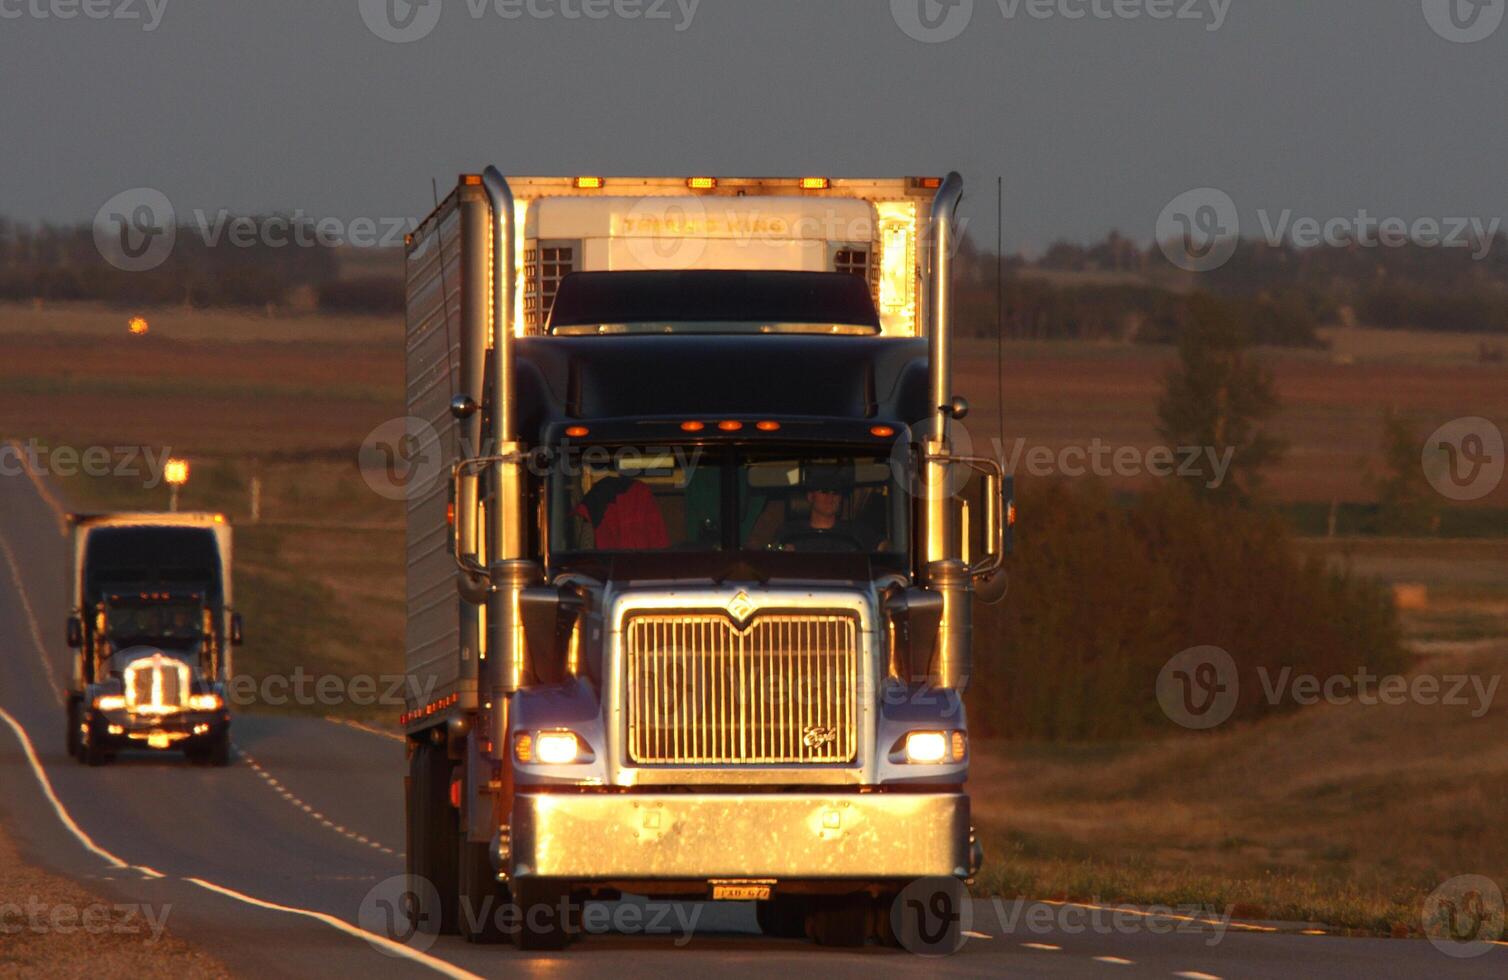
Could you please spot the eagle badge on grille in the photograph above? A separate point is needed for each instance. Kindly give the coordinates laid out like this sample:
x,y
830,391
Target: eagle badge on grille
x,y
741,606
816,736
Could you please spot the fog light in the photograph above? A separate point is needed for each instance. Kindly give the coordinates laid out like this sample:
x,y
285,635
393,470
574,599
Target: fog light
x,y
926,747
110,702
116,729
204,702
556,748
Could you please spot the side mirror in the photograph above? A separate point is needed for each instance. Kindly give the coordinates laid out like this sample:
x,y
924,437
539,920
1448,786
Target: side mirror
x,y
236,639
75,632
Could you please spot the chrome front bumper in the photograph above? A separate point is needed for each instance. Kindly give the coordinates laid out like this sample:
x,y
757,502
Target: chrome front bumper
x,y
681,836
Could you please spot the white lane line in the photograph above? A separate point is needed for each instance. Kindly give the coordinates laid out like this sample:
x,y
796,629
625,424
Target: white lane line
x,y
1114,960
58,513
52,798
287,794
977,935
1196,975
394,736
31,618
1044,947
382,942
1165,914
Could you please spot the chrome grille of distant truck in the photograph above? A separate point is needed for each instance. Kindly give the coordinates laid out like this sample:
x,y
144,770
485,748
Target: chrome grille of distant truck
x,y
157,686
702,691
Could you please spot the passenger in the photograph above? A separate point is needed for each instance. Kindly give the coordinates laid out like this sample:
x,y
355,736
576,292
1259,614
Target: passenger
x,y
624,516
824,528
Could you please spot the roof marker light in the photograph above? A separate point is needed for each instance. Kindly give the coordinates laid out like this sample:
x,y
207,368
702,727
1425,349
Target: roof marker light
x,y
701,183
577,431
767,426
815,183
588,183
730,425
693,426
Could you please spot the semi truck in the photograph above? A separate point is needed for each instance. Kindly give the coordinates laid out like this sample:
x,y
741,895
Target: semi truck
x,y
689,589
152,625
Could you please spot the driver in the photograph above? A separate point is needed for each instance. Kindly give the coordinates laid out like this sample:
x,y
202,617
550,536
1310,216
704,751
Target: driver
x,y
823,528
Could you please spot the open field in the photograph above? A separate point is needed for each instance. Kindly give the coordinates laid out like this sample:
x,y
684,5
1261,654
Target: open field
x,y
1069,394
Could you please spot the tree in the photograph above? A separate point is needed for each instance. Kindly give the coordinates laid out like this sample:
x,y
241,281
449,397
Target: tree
x,y
1406,503
1216,399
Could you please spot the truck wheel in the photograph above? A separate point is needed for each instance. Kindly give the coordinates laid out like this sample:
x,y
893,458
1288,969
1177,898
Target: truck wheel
x,y
783,916
839,920
94,754
482,897
217,753
548,917
75,741
435,835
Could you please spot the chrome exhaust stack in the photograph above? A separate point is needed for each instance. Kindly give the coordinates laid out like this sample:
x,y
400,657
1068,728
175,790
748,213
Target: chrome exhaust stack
x,y
508,569
946,573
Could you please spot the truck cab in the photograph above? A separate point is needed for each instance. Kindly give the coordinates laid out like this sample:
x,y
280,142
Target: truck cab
x,y
152,627
713,549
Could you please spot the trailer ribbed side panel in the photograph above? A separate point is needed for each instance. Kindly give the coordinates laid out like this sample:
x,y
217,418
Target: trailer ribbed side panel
x,y
433,372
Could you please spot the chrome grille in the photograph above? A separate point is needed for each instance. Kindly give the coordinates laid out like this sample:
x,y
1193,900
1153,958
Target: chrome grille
x,y
157,685
703,691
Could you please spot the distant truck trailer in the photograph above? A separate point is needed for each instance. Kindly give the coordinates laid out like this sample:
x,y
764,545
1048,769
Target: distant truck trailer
x,y
152,625
692,613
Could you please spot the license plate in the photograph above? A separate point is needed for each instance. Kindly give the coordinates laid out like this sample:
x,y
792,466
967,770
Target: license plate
x,y
740,891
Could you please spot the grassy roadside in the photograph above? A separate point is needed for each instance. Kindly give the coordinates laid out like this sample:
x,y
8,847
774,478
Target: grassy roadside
x,y
52,927
1348,815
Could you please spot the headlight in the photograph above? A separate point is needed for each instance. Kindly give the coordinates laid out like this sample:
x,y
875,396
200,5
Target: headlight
x,y
547,748
110,702
556,748
932,748
926,748
205,702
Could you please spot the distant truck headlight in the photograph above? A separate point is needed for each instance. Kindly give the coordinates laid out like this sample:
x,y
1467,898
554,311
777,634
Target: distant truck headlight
x,y
205,702
110,702
926,748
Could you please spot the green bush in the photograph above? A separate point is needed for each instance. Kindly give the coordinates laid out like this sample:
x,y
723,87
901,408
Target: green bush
x,y
1103,593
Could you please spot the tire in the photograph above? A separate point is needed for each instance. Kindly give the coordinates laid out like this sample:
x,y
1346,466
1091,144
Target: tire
x,y
435,833
481,897
783,916
217,753
94,754
75,741
840,920
541,923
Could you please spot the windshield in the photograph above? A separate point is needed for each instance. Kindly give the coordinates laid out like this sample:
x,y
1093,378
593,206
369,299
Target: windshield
x,y
175,624
701,499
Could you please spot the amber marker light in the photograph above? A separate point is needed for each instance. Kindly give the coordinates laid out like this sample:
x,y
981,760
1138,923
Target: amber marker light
x,y
138,326
881,431
767,426
693,426
589,183
730,425
577,431
815,183
701,183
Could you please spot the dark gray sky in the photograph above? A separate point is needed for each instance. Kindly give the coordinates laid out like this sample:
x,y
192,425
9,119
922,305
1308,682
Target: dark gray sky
x,y
1324,108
